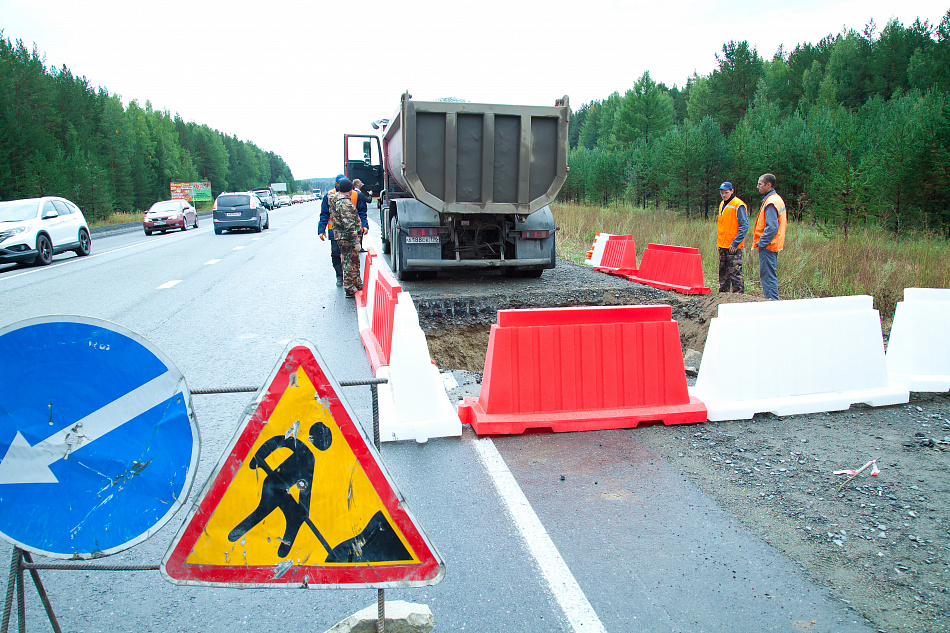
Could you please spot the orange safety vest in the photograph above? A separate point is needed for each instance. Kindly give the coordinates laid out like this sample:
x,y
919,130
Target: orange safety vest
x,y
729,223
354,196
778,242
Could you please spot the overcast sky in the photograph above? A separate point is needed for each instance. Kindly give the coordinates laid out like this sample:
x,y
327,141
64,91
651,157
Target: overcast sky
x,y
292,76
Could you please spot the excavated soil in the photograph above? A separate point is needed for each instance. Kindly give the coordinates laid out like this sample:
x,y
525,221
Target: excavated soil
x,y
880,543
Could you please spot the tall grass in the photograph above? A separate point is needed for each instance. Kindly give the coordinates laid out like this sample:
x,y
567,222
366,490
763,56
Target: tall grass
x,y
813,264
125,217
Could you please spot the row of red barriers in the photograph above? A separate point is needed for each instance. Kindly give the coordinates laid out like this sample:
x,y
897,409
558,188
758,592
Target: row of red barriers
x,y
677,268
581,369
379,297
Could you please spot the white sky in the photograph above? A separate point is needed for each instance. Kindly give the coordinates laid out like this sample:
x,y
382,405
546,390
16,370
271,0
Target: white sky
x,y
292,75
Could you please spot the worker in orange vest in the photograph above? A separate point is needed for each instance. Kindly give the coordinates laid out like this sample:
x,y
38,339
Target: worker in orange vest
x,y
733,225
769,234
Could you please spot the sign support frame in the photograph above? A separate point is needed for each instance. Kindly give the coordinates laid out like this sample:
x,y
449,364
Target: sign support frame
x,y
23,561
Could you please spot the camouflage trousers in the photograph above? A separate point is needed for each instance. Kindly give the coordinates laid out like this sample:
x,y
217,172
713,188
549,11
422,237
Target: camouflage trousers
x,y
730,271
349,244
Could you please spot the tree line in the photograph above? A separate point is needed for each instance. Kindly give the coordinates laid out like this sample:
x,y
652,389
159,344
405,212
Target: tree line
x,y
60,136
856,129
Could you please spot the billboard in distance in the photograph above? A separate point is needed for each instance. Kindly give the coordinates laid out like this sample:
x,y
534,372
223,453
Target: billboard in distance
x,y
191,191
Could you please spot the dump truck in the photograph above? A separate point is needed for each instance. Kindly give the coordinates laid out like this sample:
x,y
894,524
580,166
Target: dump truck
x,y
464,185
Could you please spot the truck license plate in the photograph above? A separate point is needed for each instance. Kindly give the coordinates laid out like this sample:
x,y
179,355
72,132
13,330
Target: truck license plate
x,y
424,239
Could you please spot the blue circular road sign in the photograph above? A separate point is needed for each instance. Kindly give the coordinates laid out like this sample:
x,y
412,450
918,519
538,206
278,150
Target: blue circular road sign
x,y
98,441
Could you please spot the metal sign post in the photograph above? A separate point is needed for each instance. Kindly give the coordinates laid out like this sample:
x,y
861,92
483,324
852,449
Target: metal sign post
x,y
23,561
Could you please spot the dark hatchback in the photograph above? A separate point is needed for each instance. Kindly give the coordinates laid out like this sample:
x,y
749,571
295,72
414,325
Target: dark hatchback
x,y
239,210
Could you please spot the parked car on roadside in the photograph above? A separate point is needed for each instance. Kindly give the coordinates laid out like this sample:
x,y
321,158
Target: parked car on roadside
x,y
239,210
166,215
268,196
34,229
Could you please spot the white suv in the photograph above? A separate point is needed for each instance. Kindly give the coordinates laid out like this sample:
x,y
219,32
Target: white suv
x,y
35,229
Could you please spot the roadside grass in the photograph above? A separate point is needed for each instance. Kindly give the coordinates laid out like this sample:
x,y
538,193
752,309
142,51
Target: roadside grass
x,y
814,263
126,217
117,217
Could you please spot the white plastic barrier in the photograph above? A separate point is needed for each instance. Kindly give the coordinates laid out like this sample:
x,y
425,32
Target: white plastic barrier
x,y
918,350
600,242
791,357
413,405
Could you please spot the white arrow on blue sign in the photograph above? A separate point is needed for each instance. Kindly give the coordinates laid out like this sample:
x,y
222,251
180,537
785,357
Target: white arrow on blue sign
x,y
98,439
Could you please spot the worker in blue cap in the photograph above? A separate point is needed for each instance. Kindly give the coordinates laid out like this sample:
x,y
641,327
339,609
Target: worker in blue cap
x,y
325,228
732,226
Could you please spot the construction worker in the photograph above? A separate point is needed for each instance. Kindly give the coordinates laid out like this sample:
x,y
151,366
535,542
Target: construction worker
x,y
325,228
769,234
732,227
349,230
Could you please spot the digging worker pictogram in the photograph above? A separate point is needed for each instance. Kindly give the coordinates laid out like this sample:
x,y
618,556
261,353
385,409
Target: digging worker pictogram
x,y
295,471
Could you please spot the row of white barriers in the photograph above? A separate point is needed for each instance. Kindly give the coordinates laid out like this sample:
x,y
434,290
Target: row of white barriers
x,y
413,404
812,355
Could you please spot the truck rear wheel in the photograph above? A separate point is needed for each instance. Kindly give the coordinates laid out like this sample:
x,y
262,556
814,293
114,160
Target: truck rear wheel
x,y
396,252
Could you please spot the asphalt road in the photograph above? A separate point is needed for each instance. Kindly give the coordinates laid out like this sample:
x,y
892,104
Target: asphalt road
x,y
540,533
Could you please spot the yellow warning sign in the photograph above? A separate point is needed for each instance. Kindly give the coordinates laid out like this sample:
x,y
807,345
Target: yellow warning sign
x,y
302,498
256,518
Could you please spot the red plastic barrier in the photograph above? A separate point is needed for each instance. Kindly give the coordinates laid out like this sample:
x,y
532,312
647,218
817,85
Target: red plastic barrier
x,y
378,339
582,369
678,268
620,256
361,294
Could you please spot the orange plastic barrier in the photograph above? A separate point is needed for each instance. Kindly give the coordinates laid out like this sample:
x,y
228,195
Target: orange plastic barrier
x,y
367,264
620,256
678,268
377,340
582,369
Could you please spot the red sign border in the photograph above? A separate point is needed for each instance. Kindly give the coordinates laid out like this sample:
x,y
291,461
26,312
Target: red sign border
x,y
429,571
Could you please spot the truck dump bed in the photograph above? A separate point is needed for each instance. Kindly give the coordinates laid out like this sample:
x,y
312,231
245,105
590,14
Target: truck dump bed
x,y
478,158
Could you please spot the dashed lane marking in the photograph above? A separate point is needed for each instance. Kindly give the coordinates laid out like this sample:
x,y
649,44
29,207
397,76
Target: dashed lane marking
x,y
169,284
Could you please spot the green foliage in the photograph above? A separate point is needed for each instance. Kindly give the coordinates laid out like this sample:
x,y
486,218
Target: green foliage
x,y
856,129
59,136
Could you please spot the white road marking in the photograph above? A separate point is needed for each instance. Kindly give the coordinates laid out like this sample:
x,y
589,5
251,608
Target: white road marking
x,y
561,582
237,248
30,464
212,261
169,284
255,238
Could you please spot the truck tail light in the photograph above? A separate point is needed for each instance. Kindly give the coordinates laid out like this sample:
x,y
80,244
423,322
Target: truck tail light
x,y
535,235
417,232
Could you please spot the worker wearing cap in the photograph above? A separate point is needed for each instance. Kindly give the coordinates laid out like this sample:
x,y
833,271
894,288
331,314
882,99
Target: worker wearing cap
x,y
733,225
325,228
769,234
349,229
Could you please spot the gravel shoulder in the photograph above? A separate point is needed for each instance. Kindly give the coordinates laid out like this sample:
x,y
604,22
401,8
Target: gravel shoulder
x,y
880,543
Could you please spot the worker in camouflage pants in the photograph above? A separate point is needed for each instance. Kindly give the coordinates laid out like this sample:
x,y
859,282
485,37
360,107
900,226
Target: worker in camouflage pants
x,y
732,226
348,230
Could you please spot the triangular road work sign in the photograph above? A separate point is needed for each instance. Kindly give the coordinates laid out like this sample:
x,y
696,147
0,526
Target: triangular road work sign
x,y
301,498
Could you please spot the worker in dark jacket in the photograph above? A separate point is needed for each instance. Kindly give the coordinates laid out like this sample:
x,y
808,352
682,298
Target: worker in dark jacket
x,y
325,228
